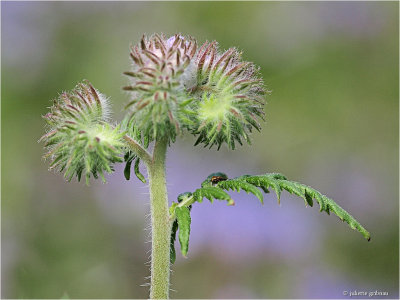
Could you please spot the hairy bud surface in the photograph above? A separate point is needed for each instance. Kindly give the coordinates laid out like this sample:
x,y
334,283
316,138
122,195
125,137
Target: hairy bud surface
x,y
80,141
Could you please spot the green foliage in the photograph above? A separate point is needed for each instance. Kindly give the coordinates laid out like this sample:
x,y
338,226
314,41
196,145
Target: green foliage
x,y
266,181
137,171
129,158
130,155
278,182
216,183
237,185
184,220
174,229
212,193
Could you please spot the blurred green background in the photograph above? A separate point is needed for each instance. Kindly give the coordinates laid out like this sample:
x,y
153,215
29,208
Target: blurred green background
x,y
332,123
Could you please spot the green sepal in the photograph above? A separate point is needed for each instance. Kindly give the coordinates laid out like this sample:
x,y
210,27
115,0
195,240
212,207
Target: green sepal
x,y
129,158
127,170
184,220
137,171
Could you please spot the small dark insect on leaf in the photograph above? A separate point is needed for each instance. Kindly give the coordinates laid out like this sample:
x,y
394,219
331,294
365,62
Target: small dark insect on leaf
x,y
216,179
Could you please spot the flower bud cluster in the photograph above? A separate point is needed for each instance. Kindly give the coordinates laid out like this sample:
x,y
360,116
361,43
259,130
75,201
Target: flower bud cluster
x,y
158,93
229,97
80,141
213,94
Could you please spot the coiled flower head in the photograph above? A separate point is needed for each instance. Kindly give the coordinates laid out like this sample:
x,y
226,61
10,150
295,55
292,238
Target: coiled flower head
x,y
80,141
157,84
229,96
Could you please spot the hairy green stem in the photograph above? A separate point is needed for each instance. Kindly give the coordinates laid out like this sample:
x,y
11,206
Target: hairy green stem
x,y
160,224
138,149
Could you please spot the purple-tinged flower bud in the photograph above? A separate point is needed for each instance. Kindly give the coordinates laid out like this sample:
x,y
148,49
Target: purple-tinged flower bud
x,y
157,83
230,96
79,140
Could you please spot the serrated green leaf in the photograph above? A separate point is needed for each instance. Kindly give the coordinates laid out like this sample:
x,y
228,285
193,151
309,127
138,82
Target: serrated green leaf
x,y
237,185
174,229
296,189
212,193
184,220
326,204
266,181
213,188
279,182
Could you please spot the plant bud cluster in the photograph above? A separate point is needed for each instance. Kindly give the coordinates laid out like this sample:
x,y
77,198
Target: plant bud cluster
x,y
213,94
158,94
175,86
80,141
229,97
